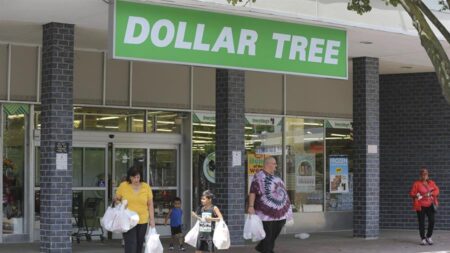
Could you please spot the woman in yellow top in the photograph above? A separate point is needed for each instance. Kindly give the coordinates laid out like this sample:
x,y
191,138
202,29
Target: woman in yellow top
x,y
140,199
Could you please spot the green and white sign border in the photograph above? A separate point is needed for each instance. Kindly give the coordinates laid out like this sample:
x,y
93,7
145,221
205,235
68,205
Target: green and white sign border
x,y
112,44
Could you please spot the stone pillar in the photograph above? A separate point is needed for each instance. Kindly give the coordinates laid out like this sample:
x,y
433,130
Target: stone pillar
x,y
56,128
230,122
366,186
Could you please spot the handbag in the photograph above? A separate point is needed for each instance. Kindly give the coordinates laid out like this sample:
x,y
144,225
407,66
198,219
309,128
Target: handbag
x,y
433,204
435,207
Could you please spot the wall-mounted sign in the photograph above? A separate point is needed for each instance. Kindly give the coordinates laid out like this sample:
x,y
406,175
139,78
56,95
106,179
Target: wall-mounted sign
x,y
61,150
161,33
204,117
262,120
342,124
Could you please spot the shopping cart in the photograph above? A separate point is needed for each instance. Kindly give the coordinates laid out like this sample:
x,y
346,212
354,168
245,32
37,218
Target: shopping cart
x,y
91,218
86,218
77,216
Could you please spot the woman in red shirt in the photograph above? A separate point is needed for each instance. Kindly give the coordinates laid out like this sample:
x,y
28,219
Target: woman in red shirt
x,y
424,193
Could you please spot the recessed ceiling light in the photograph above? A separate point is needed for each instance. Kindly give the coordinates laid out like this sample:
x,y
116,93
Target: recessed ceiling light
x,y
366,42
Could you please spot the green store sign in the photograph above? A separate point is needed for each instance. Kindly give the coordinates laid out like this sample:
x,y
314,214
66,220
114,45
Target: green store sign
x,y
158,33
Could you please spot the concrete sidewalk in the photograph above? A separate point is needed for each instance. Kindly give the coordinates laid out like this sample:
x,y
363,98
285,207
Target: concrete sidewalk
x,y
392,241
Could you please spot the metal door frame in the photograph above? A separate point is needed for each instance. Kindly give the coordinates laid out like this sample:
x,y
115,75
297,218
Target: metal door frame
x,y
97,139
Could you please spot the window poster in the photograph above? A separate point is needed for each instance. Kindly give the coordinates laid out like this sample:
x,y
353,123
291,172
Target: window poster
x,y
305,171
338,174
255,163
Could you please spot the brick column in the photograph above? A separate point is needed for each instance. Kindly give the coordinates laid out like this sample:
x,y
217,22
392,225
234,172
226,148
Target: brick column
x,y
230,123
366,190
56,126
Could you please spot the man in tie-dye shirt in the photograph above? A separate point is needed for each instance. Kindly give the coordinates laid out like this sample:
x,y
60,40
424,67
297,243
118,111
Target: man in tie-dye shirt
x,y
269,200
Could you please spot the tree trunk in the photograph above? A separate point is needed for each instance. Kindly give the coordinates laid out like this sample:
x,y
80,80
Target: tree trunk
x,y
432,46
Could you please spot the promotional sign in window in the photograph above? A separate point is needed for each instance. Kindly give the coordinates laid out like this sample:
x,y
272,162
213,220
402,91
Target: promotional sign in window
x,y
305,170
162,33
255,163
338,174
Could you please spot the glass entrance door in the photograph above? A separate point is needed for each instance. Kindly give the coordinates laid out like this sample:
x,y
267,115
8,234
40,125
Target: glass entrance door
x,y
164,182
124,158
160,170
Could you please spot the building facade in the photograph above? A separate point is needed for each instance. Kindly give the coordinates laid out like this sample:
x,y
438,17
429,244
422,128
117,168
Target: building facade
x,y
343,147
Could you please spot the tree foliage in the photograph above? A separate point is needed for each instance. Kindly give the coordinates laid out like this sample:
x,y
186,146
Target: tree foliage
x,y
422,19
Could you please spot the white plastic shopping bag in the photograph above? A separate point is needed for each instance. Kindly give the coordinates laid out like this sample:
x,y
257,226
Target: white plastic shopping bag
x,y
221,237
191,236
133,217
290,222
119,219
253,228
152,242
107,221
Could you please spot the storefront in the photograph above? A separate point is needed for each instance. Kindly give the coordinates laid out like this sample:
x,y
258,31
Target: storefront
x,y
161,118
121,121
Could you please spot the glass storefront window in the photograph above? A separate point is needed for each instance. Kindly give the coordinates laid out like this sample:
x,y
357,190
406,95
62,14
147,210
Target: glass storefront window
x,y
164,122
103,119
304,164
203,154
106,122
14,133
339,181
120,120
263,138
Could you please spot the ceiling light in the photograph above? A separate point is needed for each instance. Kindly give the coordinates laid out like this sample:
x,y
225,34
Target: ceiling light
x,y
18,116
108,118
204,124
167,115
163,130
339,135
199,141
203,132
165,122
202,137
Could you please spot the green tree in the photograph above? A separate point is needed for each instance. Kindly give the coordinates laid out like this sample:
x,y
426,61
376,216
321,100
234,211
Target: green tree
x,y
421,17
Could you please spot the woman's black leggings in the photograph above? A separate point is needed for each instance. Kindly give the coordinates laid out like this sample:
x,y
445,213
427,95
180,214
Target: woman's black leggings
x,y
428,211
135,238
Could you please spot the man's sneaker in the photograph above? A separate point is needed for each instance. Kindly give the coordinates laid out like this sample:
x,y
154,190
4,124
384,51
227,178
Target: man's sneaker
x,y
423,242
182,248
429,241
171,247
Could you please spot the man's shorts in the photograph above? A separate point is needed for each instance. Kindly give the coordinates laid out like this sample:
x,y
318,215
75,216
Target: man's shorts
x,y
175,230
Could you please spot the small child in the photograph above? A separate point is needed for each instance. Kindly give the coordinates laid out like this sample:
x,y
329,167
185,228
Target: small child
x,y
207,213
175,214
